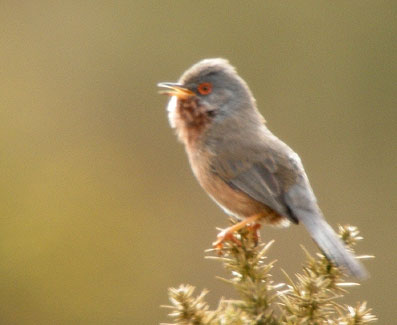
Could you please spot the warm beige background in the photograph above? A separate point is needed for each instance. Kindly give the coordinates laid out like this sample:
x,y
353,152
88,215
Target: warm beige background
x,y
99,211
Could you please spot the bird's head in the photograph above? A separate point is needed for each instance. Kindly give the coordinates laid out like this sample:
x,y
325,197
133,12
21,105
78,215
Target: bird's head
x,y
206,94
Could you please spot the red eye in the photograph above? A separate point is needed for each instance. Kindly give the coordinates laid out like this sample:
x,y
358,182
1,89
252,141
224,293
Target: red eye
x,y
205,88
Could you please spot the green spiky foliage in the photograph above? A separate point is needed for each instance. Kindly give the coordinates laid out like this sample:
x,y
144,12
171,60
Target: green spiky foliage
x,y
310,297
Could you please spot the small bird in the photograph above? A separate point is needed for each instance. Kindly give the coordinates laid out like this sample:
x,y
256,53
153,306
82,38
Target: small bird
x,y
250,173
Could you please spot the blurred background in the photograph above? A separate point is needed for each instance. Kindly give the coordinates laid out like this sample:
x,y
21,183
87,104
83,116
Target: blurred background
x,y
99,211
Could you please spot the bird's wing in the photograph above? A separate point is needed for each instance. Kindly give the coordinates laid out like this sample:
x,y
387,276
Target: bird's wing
x,y
273,174
261,175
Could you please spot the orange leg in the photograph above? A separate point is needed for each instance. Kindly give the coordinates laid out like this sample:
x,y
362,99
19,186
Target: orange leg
x,y
227,234
255,231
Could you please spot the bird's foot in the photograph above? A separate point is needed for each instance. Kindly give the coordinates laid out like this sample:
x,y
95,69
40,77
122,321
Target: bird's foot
x,y
225,235
228,233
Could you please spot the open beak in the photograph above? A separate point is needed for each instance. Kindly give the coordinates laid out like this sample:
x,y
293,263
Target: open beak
x,y
174,89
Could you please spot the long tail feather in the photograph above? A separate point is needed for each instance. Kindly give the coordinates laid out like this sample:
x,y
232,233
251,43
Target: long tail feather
x,y
331,244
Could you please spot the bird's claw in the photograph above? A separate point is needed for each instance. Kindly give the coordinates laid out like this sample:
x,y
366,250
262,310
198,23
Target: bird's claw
x,y
225,235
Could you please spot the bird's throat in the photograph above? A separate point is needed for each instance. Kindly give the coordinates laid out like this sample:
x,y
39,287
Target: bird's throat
x,y
189,119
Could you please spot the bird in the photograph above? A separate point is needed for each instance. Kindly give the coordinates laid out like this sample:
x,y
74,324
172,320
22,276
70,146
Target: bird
x,y
247,170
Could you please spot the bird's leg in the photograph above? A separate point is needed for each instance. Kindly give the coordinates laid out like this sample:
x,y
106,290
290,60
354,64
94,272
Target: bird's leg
x,y
228,233
255,231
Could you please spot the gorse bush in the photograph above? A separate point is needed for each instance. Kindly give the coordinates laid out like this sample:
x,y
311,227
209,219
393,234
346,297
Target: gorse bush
x,y
310,297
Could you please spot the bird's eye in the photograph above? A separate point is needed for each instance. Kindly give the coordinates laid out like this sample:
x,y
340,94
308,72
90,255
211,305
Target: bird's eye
x,y
205,88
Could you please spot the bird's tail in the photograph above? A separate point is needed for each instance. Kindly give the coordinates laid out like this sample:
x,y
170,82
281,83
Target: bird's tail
x,y
331,244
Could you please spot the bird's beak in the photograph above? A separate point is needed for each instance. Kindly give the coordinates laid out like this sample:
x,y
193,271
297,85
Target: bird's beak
x,y
174,89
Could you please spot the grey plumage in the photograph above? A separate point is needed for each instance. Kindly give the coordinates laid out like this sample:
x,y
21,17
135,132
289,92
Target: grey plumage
x,y
239,162
302,203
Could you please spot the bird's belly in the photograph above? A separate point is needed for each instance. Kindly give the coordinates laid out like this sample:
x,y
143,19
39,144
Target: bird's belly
x,y
240,205
233,201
